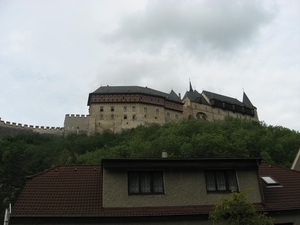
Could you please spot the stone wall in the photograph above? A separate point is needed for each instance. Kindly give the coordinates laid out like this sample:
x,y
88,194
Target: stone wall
x,y
12,129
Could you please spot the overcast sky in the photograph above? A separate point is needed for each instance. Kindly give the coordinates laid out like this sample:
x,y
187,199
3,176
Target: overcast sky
x,y
53,53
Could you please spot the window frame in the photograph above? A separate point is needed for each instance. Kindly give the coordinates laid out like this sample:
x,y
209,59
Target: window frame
x,y
151,174
225,176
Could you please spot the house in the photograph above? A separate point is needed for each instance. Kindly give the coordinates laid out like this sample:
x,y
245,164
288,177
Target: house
x,y
154,191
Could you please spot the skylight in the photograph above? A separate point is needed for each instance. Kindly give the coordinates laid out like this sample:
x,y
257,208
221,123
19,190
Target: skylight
x,y
270,181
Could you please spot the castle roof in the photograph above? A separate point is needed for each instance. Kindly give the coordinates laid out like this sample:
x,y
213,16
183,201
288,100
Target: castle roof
x,y
195,96
222,98
172,96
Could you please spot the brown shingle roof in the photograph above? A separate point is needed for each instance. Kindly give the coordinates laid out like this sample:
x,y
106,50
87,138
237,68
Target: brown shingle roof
x,y
62,191
286,196
76,191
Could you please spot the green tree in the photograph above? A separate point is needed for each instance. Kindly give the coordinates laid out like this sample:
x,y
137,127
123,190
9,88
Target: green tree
x,y
237,210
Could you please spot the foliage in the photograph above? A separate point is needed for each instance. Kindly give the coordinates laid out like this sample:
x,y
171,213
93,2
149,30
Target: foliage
x,y
28,154
237,210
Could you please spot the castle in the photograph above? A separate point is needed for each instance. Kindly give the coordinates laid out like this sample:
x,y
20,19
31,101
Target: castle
x,y
118,108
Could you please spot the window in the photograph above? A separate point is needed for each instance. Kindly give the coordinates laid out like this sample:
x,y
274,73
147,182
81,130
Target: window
x,y
168,115
133,117
176,116
125,108
101,117
145,110
270,182
112,108
157,111
133,108
220,180
145,182
112,116
125,117
101,108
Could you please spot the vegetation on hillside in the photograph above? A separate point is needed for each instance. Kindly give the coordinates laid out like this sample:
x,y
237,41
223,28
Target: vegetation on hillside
x,y
25,155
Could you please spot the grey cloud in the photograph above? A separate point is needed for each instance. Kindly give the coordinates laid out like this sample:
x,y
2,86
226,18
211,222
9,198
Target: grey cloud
x,y
220,25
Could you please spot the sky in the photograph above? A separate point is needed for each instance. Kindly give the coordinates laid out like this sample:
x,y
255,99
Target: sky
x,y
53,53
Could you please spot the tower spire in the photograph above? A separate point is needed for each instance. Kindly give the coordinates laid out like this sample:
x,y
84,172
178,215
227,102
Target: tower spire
x,y
191,89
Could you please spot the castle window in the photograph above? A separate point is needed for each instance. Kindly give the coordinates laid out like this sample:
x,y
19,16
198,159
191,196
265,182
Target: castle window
x,y
125,108
168,115
221,180
133,108
145,109
157,111
125,117
112,108
176,116
101,108
134,117
101,117
112,116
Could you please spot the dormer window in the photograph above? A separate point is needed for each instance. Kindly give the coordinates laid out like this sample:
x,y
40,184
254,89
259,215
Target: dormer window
x,y
146,182
221,180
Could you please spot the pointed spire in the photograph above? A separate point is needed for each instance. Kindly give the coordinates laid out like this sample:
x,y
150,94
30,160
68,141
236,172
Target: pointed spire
x,y
191,89
246,101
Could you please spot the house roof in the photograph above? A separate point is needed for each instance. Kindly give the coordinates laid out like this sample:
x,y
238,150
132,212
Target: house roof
x,y
75,191
286,194
172,96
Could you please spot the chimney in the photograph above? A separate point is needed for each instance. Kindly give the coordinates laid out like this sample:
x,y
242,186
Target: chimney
x,y
164,154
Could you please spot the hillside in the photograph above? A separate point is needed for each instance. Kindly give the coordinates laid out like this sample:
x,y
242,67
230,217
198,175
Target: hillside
x,y
28,154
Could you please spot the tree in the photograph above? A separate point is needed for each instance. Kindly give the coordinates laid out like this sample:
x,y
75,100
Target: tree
x,y
237,210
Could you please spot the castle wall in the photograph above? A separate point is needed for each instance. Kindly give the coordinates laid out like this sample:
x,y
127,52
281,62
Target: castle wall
x,y
13,129
115,117
77,124
210,113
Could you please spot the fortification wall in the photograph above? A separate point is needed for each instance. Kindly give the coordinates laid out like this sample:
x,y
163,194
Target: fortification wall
x,y
77,124
12,129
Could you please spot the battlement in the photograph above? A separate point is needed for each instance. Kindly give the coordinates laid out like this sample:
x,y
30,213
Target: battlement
x,y
8,128
76,116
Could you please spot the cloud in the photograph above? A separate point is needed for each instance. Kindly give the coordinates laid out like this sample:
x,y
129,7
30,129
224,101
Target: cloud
x,y
195,26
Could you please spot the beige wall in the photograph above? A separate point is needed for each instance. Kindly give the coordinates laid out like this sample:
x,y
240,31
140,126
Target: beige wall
x,y
102,121
212,113
181,188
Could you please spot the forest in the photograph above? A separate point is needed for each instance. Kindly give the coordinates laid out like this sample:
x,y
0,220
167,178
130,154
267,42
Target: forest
x,y
25,155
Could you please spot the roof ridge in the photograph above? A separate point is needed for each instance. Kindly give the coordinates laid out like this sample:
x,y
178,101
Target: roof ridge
x,y
281,167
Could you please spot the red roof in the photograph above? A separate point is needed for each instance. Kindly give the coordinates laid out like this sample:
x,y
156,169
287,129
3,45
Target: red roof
x,y
76,191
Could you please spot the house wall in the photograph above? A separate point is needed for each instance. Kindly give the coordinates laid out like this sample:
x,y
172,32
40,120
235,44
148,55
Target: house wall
x,y
182,187
283,217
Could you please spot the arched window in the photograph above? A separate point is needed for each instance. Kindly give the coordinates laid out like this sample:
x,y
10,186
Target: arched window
x,y
168,115
157,111
201,116
145,109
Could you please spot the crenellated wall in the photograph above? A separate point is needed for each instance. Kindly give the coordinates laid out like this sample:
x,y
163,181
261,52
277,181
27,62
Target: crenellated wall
x,y
76,123
12,129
